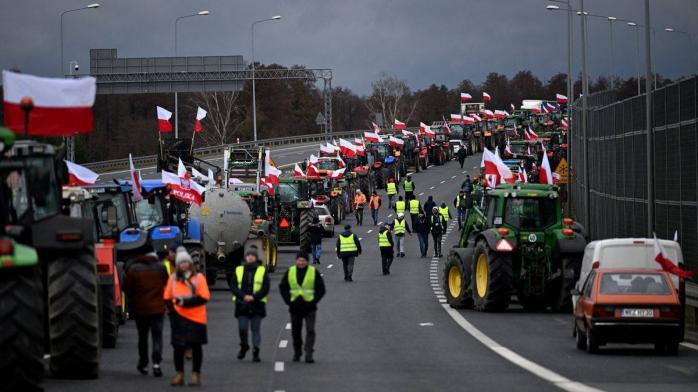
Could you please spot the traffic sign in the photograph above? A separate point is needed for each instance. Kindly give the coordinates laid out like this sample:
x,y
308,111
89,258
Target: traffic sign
x,y
561,170
320,119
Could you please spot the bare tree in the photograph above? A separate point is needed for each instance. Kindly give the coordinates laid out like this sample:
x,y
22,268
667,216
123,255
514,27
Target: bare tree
x,y
224,118
390,98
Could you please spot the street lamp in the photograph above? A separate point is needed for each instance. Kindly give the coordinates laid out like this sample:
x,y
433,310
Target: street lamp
x,y
688,35
87,7
637,47
176,111
254,97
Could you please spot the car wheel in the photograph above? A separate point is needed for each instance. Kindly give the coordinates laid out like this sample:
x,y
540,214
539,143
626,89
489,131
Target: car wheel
x,y
581,339
591,343
672,348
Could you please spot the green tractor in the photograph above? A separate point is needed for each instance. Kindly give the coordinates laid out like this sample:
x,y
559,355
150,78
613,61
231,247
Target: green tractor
x,y
294,212
515,242
50,296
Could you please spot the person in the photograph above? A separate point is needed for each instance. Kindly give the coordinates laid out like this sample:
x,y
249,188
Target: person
x,y
445,214
302,288
250,287
386,246
436,227
316,232
348,248
467,185
415,209
429,207
391,190
374,204
400,205
144,284
359,203
400,228
186,295
462,153
421,227
460,203
408,186
168,259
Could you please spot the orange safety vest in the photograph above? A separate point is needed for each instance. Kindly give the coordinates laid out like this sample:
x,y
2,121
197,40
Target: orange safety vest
x,y
177,288
359,200
375,202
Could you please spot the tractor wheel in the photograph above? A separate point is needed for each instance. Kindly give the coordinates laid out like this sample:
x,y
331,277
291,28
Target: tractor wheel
x,y
561,289
491,281
303,230
108,316
592,343
73,316
273,255
456,284
22,332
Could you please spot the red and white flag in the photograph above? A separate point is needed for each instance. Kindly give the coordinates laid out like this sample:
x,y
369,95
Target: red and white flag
x,y
476,117
507,149
327,149
423,127
447,128
456,118
271,172
264,183
407,133
182,170
545,174
428,132
376,128
337,174
495,167
513,108
465,97
297,171
487,113
560,98
468,120
347,148
80,175
532,134
399,124
500,114
360,149
523,176
396,142
200,115
486,97
164,116
183,188
564,123
62,107
666,263
313,159
135,180
312,170
372,137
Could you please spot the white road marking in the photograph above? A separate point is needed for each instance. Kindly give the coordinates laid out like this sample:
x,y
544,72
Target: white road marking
x,y
278,366
421,194
369,231
288,325
330,266
453,177
361,239
283,344
465,171
474,167
443,301
431,187
690,345
430,166
526,364
390,216
428,324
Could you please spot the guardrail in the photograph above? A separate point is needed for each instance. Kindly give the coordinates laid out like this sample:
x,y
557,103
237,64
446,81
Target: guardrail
x,y
205,152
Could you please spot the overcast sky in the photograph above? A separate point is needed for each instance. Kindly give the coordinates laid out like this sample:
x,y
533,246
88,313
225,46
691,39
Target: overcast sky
x,y
422,41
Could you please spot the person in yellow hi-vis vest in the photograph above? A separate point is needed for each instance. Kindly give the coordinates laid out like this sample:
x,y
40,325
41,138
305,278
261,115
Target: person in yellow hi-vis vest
x,y
302,288
445,215
400,228
400,205
408,186
391,191
250,287
348,248
415,208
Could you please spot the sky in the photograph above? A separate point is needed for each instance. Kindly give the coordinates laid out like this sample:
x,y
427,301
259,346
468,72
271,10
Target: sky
x,y
420,41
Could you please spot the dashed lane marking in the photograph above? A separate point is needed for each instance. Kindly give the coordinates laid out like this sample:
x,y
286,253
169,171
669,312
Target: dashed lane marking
x,y
465,171
369,231
421,194
444,181
390,216
690,345
283,344
278,366
431,187
288,325
330,266
452,177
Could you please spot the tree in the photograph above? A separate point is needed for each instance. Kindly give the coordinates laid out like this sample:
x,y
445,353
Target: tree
x,y
389,98
557,84
433,103
348,111
525,85
497,85
223,121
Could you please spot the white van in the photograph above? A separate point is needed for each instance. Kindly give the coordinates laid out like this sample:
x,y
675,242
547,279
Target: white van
x,y
625,253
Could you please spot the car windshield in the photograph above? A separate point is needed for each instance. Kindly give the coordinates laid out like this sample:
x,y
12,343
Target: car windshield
x,y
328,164
288,192
530,213
149,213
634,284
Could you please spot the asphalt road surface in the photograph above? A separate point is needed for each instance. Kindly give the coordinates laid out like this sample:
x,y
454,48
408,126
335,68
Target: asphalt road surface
x,y
395,333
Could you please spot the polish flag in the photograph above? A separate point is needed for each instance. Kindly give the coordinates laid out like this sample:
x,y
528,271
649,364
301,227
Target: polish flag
x,y
272,173
347,148
333,146
62,107
423,127
399,124
337,174
523,176
507,150
341,162
197,175
531,133
447,128
312,170
468,120
476,117
182,170
486,97
487,113
326,149
500,114
164,116
376,128
80,175
560,98
513,108
407,133
395,142
265,183
565,125
372,137
183,189
358,142
428,132
456,118
545,174
360,149
297,171
313,159
135,180
200,115
494,166
668,265
465,97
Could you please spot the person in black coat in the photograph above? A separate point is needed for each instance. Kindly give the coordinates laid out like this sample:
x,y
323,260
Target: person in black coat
x,y
421,227
250,287
428,206
436,225
316,232
387,252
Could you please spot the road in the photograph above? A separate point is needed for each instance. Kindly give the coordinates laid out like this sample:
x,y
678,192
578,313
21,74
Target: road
x,y
395,333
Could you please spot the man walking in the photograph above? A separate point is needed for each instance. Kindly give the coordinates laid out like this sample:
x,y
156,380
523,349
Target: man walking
x,y
374,204
429,207
415,209
460,203
436,225
316,232
461,155
421,227
400,228
348,248
445,215
385,244
145,286
391,190
359,204
302,288
250,286
408,186
467,185
400,205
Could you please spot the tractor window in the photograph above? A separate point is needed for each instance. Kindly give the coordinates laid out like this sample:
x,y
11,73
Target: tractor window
x,y
288,192
149,213
15,195
44,194
528,213
491,209
100,210
328,164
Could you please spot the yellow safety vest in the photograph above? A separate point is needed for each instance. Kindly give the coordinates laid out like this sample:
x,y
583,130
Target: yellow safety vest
x,y
168,266
258,279
392,188
400,226
383,240
409,186
305,290
459,200
414,206
444,213
347,244
400,206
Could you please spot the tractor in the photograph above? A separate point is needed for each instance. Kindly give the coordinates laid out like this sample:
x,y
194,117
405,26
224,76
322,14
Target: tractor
x,y
384,162
48,275
515,242
294,212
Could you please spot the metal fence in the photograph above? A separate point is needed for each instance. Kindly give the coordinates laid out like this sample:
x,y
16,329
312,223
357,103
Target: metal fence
x,y
618,161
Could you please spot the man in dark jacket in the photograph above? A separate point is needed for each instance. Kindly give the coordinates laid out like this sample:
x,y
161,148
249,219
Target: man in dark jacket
x,y
145,285
386,244
428,207
250,286
467,185
461,155
348,248
461,206
436,225
302,288
316,232
421,227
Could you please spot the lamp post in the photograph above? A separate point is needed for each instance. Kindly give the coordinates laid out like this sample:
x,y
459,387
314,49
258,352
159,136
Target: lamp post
x,y
637,48
254,97
690,41
585,94
87,7
176,105
611,19
648,118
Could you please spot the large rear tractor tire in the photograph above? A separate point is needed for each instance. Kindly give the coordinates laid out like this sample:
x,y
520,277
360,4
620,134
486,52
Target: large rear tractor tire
x,y
457,284
22,332
491,281
109,316
303,230
561,293
73,309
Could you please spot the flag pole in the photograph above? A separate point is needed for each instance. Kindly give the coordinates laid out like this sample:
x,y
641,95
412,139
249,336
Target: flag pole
x,y
191,148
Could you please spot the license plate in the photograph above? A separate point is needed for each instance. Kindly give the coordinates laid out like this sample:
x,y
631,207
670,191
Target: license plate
x,y
640,313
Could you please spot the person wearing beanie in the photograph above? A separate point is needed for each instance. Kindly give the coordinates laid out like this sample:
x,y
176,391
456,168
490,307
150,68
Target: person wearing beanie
x,y
348,248
186,295
144,285
302,288
250,287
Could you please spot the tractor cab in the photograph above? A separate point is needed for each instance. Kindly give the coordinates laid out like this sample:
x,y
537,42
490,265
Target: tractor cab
x,y
158,214
294,212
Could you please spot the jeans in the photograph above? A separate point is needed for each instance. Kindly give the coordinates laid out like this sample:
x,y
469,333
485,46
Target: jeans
x,y
197,358
423,243
247,322
297,334
386,262
316,251
348,264
409,195
461,218
400,244
360,215
437,244
390,202
374,215
149,324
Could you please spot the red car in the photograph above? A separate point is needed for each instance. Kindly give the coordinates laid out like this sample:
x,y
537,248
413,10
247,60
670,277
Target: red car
x,y
628,306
